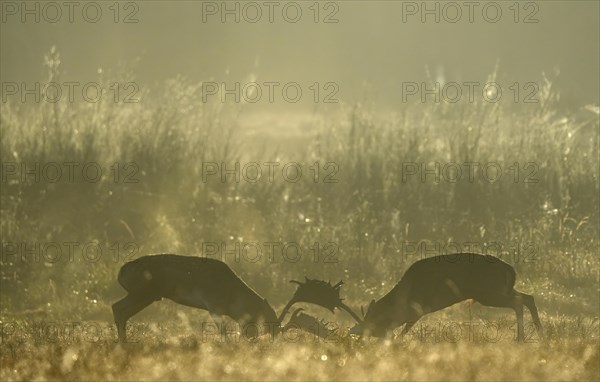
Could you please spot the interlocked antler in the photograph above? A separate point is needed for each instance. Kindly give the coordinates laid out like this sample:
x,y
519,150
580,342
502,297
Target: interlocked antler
x,y
310,324
320,293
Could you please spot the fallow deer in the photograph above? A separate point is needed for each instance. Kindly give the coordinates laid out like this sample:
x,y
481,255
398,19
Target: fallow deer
x,y
438,282
212,285
192,281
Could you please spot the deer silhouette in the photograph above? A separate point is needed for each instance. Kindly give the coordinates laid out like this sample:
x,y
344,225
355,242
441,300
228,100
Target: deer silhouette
x,y
438,282
212,285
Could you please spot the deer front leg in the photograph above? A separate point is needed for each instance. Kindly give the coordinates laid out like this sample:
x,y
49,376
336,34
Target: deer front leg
x,y
127,307
529,302
518,307
221,324
410,321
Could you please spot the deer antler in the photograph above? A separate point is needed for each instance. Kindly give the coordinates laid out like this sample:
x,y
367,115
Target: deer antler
x,y
320,293
310,324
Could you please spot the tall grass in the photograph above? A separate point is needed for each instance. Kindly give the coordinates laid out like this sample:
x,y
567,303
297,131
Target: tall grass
x,y
369,213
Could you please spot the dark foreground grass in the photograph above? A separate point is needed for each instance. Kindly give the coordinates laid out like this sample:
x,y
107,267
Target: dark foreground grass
x,y
434,352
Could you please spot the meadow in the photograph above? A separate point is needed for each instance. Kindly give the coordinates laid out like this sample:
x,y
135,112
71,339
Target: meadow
x,y
361,212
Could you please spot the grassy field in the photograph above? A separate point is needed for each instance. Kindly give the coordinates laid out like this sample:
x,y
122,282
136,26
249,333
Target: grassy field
x,y
438,349
357,215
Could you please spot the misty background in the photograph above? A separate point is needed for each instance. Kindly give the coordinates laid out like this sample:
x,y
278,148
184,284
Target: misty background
x,y
370,50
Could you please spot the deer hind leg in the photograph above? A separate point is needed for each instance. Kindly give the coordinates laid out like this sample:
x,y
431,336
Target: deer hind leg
x,y
127,307
529,302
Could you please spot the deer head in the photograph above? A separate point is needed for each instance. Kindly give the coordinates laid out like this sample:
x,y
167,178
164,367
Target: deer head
x,y
376,321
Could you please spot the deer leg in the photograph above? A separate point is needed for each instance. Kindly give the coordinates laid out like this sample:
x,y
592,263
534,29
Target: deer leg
x,y
529,302
127,307
506,301
518,307
220,323
410,323
407,328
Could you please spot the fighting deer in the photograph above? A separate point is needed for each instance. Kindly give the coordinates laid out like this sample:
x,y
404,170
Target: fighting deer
x,y
438,282
212,285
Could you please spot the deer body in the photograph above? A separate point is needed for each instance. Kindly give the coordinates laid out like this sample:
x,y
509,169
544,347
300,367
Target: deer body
x,y
438,282
192,281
